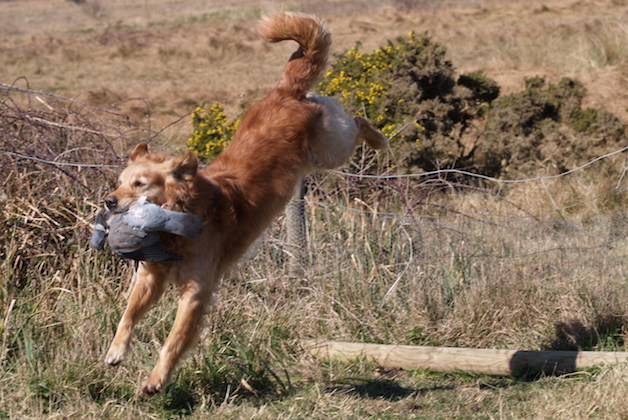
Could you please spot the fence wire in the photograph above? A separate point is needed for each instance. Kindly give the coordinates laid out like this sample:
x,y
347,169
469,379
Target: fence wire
x,y
398,225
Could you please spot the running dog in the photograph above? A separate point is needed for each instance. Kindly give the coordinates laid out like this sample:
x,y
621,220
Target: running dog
x,y
281,138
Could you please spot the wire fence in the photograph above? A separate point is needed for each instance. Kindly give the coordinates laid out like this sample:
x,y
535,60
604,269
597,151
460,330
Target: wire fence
x,y
458,261
489,178
53,131
14,112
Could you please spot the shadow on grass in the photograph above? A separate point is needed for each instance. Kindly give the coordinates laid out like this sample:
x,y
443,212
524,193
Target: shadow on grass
x,y
604,331
178,401
191,387
383,389
570,338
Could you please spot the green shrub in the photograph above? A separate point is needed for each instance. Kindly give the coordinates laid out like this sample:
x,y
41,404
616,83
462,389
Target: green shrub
x,y
544,129
436,119
484,88
582,119
409,91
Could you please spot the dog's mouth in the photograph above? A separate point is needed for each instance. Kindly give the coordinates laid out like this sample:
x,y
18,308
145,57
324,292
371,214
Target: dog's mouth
x,y
169,205
123,206
120,206
113,209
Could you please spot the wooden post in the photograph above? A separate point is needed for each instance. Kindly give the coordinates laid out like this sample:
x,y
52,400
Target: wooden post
x,y
450,359
296,235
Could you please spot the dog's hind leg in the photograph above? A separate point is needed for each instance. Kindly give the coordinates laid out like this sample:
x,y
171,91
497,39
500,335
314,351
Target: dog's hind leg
x,y
185,330
368,133
148,287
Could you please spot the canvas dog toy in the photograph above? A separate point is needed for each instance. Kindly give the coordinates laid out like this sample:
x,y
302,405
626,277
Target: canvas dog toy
x,y
134,233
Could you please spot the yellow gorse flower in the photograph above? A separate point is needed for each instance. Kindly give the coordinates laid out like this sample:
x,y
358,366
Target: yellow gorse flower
x,y
362,81
212,131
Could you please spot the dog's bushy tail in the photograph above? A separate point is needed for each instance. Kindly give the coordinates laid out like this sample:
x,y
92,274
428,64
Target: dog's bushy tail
x,y
306,64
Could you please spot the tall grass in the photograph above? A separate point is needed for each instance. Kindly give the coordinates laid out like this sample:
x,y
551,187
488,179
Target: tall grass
x,y
538,266
477,268
437,262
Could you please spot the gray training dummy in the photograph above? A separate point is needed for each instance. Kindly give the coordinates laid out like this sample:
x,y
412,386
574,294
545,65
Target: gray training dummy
x,y
134,233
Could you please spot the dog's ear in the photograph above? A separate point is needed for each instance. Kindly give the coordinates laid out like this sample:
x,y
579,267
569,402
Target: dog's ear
x,y
140,150
185,167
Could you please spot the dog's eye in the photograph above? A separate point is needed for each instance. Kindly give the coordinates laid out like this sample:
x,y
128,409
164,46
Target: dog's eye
x,y
139,183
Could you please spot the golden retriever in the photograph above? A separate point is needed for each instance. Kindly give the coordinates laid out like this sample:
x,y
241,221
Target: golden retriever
x,y
280,139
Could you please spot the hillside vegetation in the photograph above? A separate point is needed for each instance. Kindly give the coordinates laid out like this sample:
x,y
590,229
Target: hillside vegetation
x,y
508,89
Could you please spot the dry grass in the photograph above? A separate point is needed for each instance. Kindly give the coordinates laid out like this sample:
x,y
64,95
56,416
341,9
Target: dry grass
x,y
534,266
539,266
177,57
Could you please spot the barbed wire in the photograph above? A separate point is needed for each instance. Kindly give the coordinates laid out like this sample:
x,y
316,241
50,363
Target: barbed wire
x,y
55,163
7,87
366,176
475,175
453,221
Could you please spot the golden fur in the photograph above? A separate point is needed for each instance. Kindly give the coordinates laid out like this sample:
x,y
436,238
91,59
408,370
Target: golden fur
x,y
280,139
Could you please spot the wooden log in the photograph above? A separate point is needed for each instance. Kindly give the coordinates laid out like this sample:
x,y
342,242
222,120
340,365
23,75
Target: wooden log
x,y
451,359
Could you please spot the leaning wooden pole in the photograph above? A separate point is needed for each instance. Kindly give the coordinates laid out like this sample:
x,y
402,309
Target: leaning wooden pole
x,y
296,232
450,359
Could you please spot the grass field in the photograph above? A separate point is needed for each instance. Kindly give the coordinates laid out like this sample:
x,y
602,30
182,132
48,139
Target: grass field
x,y
539,265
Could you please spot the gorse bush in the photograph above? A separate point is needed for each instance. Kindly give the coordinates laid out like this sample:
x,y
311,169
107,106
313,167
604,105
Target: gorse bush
x,y
356,79
409,91
545,128
436,119
407,88
212,131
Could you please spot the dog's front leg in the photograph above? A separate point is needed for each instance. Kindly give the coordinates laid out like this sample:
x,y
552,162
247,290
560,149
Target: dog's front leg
x,y
185,330
148,287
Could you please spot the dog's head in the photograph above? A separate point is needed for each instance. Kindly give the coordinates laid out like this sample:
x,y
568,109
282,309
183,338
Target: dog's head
x,y
162,180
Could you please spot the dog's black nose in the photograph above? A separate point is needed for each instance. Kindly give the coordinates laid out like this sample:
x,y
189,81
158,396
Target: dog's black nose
x,y
111,202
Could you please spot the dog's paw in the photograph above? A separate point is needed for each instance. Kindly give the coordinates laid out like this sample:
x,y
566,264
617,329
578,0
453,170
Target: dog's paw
x,y
116,355
151,388
155,383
